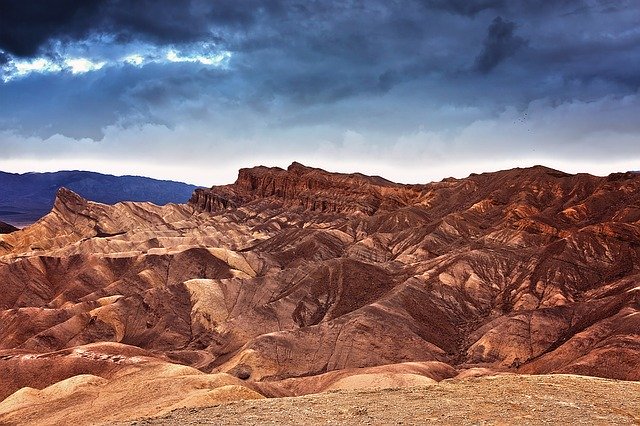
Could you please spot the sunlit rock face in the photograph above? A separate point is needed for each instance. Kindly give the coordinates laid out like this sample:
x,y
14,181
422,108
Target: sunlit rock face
x,y
288,275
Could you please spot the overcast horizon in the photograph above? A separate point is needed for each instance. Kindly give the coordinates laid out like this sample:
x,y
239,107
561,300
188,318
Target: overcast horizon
x,y
414,91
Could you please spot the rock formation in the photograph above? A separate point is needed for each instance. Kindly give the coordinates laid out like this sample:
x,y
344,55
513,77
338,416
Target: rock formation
x,y
295,281
5,228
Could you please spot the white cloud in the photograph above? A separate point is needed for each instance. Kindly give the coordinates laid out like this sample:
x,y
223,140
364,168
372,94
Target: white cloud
x,y
134,59
82,65
218,59
16,69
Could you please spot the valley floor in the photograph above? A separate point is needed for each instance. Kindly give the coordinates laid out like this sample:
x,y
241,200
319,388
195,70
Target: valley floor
x,y
508,399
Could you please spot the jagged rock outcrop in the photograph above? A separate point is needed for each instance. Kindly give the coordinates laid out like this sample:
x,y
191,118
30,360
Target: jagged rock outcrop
x,y
305,187
294,280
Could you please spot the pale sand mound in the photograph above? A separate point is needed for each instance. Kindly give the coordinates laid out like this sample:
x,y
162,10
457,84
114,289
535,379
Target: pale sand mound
x,y
144,387
205,397
380,381
146,390
477,372
30,397
105,359
404,374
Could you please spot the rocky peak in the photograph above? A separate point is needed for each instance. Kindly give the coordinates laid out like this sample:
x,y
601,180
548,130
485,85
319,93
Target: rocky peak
x,y
298,186
67,200
298,168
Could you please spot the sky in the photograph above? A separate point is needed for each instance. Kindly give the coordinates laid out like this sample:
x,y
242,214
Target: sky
x,y
413,90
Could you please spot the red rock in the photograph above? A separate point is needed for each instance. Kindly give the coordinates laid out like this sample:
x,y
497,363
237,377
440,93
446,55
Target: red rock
x,y
289,274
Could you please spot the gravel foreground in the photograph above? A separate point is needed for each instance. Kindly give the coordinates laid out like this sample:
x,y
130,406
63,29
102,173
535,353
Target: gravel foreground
x,y
497,400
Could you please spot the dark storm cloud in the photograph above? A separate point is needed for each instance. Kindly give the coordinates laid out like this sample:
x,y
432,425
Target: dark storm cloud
x,y
308,62
500,43
27,25
464,7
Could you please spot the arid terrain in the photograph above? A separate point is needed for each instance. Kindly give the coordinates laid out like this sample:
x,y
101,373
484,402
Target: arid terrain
x,y
519,400
300,281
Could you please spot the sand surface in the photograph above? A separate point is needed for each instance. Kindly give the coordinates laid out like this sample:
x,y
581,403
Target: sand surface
x,y
498,400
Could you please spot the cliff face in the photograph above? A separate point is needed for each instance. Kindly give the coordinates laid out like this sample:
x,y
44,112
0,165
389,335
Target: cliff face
x,y
286,279
302,187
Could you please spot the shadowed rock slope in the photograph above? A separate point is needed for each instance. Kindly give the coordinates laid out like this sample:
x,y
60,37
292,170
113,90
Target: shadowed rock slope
x,y
296,281
5,228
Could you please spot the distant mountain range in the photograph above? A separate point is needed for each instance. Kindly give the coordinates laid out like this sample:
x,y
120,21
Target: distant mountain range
x,y
25,198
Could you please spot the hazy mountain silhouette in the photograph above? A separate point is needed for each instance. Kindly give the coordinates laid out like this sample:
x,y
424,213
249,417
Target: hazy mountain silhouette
x,y
27,197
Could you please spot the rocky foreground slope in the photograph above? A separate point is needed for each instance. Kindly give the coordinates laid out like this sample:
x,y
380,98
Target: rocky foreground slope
x,y
297,281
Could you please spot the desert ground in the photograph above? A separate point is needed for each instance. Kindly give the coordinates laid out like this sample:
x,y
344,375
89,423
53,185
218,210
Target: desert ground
x,y
509,399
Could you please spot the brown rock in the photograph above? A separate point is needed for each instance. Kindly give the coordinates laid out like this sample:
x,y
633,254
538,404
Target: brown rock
x,y
293,281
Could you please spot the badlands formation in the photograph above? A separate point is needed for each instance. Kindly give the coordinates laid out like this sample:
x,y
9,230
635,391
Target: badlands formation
x,y
299,281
